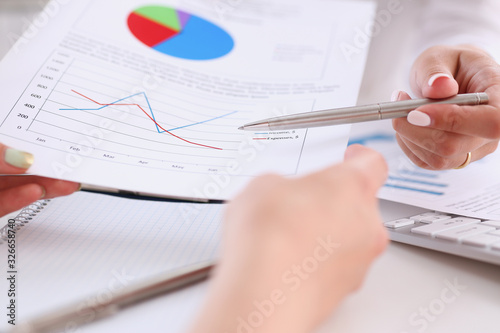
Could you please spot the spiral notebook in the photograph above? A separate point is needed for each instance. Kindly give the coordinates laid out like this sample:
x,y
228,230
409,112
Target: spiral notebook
x,y
85,246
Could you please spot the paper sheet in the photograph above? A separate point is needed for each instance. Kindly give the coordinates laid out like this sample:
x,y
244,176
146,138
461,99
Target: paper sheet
x,y
148,98
473,191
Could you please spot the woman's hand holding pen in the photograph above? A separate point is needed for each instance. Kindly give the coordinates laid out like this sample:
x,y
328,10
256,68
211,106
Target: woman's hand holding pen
x,y
441,136
294,248
17,191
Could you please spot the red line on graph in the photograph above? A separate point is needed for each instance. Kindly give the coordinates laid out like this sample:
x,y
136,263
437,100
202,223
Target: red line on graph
x,y
152,119
260,138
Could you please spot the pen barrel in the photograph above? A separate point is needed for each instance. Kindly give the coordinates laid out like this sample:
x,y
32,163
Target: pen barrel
x,y
326,118
357,114
64,319
83,313
164,283
391,110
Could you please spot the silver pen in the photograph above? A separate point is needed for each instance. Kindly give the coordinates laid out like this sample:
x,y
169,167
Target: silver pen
x,y
83,313
357,114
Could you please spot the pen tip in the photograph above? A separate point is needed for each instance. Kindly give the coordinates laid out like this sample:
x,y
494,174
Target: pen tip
x,y
241,128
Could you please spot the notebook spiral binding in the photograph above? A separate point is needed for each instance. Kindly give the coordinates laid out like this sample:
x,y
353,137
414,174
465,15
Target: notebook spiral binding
x,y
23,218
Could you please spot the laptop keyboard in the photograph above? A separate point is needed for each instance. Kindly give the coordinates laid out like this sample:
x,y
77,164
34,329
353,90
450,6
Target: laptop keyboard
x,y
459,235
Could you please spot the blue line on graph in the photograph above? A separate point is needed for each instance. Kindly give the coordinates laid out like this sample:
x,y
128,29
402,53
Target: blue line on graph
x,y
205,121
152,113
413,189
105,106
416,181
367,139
435,174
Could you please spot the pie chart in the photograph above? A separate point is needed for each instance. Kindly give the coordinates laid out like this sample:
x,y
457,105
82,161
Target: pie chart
x,y
179,34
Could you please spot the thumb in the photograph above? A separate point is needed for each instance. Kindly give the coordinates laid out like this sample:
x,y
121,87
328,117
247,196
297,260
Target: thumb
x,y
370,163
432,74
13,161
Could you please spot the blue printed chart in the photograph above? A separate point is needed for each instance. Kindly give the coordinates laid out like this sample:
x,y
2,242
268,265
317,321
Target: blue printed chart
x,y
462,192
179,34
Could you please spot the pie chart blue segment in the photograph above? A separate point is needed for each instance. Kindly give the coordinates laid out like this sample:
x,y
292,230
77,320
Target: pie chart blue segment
x,y
198,40
179,34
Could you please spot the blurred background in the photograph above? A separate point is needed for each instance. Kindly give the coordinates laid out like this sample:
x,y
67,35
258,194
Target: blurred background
x,y
15,16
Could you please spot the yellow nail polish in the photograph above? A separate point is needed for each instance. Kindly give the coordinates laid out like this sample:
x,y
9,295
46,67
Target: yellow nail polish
x,y
18,159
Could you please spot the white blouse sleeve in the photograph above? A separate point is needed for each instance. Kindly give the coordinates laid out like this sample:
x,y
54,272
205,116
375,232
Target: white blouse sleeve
x,y
454,22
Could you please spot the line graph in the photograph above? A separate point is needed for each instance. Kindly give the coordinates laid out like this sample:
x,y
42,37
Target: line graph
x,y
135,128
150,115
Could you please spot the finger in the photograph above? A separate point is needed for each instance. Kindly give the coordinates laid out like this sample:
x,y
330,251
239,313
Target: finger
x,y
398,95
57,188
369,163
428,160
477,70
409,153
362,166
18,197
424,158
442,143
52,187
432,73
480,121
440,150
13,161
483,151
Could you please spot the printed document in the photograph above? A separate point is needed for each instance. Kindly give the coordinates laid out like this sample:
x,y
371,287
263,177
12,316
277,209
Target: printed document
x,y
148,97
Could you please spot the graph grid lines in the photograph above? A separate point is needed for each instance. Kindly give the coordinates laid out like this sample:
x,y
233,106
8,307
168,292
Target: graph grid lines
x,y
150,115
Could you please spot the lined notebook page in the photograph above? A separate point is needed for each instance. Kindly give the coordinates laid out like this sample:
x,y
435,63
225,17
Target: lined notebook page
x,y
89,245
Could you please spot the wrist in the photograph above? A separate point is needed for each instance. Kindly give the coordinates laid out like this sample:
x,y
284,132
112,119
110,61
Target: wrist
x,y
240,300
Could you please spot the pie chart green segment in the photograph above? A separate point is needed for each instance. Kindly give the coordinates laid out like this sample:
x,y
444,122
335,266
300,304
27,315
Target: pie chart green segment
x,y
179,34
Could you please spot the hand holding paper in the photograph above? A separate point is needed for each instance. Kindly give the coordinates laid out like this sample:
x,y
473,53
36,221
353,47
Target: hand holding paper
x,y
18,191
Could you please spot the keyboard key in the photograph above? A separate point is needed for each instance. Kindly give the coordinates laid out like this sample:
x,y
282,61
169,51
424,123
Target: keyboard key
x,y
466,236
496,233
495,224
399,223
417,218
440,226
457,234
482,240
434,219
430,217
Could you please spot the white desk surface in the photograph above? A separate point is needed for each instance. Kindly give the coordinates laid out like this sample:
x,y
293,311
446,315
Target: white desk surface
x,y
405,282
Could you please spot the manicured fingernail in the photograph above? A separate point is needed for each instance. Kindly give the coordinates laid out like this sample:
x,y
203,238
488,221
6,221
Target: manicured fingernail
x,y
437,76
418,118
19,159
395,95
